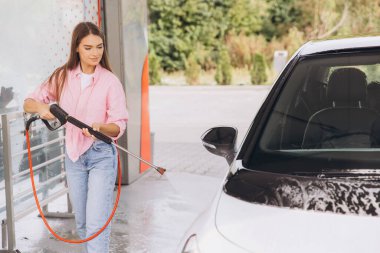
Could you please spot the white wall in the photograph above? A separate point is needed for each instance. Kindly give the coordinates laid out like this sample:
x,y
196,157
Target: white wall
x,y
35,38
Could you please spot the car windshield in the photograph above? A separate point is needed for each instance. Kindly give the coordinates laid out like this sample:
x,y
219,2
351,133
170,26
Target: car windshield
x,y
325,117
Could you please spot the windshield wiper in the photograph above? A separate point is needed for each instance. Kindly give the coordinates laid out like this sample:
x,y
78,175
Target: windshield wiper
x,y
363,174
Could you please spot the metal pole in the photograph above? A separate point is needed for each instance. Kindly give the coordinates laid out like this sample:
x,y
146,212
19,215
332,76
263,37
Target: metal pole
x,y
3,234
8,183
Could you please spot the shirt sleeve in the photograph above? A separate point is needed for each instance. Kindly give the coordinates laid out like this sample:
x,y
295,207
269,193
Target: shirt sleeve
x,y
43,94
117,108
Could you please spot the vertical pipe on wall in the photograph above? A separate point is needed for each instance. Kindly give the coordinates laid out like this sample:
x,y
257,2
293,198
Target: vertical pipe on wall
x,y
145,149
99,15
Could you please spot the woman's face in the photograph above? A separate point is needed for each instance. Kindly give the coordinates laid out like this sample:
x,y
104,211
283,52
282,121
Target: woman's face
x,y
90,51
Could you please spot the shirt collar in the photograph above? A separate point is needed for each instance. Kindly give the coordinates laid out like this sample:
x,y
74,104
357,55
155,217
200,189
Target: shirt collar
x,y
98,69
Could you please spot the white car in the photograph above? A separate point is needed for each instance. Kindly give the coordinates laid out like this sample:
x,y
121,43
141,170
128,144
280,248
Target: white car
x,y
307,176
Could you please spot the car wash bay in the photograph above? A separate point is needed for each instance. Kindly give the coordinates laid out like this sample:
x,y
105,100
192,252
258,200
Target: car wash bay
x,y
155,211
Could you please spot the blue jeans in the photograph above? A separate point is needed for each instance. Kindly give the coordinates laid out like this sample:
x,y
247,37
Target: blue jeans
x,y
91,180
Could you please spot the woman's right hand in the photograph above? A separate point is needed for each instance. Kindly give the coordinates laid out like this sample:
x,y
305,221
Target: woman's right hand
x,y
33,106
44,112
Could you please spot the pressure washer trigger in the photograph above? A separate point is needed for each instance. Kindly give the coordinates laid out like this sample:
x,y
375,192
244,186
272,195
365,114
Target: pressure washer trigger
x,y
52,124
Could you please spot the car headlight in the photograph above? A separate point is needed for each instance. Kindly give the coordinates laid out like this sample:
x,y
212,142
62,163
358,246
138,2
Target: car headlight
x,y
191,245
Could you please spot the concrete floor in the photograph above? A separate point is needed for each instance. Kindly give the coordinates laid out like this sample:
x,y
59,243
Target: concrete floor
x,y
155,210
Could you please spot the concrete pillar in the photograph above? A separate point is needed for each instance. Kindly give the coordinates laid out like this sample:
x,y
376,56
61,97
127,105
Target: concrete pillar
x,y
127,41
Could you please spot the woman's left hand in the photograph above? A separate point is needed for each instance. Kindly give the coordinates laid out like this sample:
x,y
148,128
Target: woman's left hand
x,y
95,126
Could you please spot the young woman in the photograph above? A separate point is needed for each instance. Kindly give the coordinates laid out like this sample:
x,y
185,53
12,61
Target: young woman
x,y
86,89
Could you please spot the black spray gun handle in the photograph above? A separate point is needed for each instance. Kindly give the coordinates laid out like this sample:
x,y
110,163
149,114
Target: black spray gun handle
x,y
64,117
50,124
30,120
95,133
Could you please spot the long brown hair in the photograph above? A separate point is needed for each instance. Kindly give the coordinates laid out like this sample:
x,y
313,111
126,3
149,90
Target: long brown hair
x,y
58,78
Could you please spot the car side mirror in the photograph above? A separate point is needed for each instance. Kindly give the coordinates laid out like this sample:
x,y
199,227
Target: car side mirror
x,y
221,141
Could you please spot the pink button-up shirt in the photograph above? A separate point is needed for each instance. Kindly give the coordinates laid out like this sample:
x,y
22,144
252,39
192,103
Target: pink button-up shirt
x,y
103,101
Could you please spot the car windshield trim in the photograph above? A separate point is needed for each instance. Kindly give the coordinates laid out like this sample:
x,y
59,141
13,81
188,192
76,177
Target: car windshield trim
x,y
328,150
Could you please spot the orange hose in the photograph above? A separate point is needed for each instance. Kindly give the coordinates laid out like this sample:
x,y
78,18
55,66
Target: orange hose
x,y
42,214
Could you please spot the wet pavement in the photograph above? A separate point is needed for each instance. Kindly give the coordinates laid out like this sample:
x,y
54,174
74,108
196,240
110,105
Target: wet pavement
x,y
156,210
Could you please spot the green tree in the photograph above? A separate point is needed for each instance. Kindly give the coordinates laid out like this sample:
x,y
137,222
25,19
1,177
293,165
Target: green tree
x,y
282,14
259,70
176,26
243,17
193,70
154,69
223,74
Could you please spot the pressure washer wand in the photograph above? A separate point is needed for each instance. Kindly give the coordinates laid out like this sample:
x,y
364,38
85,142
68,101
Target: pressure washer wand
x,y
64,117
159,169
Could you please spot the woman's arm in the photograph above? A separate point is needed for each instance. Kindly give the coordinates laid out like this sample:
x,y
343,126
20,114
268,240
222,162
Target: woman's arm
x,y
33,106
110,129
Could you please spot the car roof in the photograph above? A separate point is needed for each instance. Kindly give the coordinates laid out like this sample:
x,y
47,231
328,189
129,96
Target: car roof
x,y
317,47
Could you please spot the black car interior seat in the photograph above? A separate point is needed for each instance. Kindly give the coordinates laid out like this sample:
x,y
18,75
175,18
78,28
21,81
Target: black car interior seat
x,y
346,123
373,96
309,100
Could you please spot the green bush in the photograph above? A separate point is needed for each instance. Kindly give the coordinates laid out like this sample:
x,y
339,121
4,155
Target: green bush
x,y
259,70
175,27
223,74
192,70
154,69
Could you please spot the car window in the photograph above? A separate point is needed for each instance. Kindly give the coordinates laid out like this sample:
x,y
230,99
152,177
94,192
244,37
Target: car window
x,y
326,116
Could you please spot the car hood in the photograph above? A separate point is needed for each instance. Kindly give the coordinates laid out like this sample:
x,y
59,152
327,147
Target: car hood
x,y
259,226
